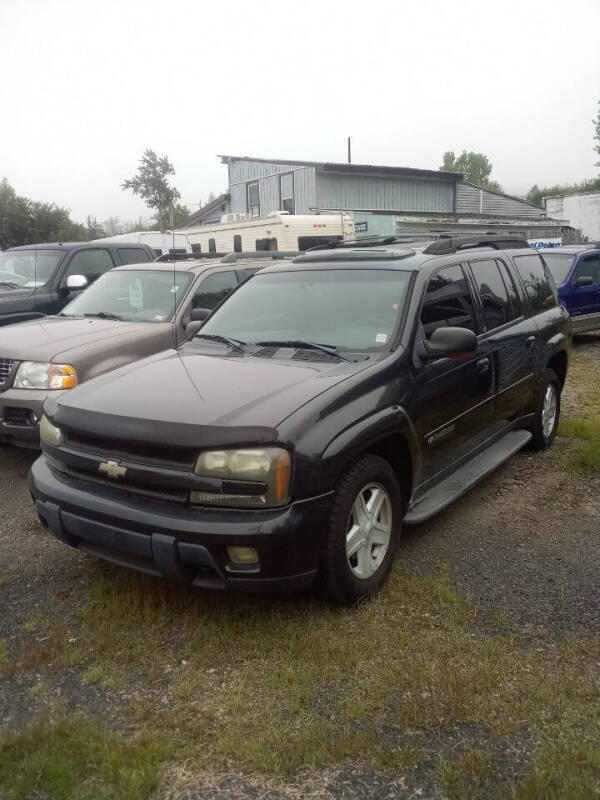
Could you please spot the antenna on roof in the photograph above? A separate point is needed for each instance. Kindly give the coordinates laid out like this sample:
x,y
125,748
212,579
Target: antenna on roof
x,y
349,151
174,276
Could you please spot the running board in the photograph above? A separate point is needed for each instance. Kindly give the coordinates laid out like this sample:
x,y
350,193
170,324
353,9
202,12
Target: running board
x,y
455,485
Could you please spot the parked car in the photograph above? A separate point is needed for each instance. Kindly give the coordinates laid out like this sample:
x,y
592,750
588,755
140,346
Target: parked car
x,y
129,313
325,403
576,271
161,242
40,279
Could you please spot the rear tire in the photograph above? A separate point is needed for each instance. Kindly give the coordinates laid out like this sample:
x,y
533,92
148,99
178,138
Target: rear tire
x,y
363,533
547,413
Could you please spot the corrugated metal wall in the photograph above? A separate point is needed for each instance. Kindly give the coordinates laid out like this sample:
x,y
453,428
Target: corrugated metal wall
x,y
469,201
240,172
394,194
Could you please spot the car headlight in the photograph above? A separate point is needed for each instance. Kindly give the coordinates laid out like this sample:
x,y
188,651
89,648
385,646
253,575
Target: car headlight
x,y
248,478
43,375
49,433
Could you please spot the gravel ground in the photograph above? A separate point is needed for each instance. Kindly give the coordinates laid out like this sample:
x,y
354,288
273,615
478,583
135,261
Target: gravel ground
x,y
523,547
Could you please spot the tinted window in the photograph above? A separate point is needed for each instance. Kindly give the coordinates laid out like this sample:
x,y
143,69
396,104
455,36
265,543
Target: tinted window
x,y
286,192
133,255
538,283
513,295
266,244
306,242
253,199
212,247
559,265
493,294
588,268
448,302
30,268
214,289
196,247
91,263
237,243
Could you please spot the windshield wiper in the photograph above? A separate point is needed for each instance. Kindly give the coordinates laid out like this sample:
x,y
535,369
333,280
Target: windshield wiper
x,y
235,344
105,315
330,349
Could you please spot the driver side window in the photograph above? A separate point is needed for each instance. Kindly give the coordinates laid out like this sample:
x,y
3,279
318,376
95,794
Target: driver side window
x,y
90,263
448,302
588,268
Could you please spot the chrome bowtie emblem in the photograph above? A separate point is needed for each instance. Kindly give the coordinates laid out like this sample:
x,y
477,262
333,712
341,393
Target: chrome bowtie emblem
x,y
112,469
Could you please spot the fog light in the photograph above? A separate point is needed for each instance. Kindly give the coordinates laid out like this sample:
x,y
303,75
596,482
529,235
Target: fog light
x,y
243,555
32,418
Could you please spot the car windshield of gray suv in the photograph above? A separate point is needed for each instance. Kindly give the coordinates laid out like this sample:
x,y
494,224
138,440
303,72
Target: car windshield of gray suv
x,y
349,310
28,268
559,265
132,295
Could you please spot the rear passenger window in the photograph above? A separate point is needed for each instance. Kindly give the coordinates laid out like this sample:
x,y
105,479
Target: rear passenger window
x,y
133,255
493,293
539,285
214,289
448,302
513,295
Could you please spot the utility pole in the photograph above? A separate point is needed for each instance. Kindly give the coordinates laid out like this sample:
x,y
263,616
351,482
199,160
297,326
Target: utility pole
x,y
349,152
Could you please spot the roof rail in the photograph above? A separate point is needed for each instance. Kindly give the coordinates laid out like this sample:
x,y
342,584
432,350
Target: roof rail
x,y
456,243
275,255
365,241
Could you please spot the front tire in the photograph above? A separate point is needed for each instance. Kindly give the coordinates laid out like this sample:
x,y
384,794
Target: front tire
x,y
547,412
363,533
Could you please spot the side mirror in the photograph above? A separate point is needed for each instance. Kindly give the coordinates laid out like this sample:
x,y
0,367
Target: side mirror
x,y
200,314
449,343
584,280
76,282
192,328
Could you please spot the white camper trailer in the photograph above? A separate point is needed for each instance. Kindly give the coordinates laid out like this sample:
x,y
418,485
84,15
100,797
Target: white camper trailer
x,y
278,231
160,241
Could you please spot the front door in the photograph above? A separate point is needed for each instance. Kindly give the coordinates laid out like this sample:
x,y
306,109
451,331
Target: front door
x,y
453,405
585,300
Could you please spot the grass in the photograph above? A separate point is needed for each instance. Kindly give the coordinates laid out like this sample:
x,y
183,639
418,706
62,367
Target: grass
x,y
76,758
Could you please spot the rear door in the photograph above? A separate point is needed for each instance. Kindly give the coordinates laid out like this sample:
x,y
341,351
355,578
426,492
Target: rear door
x,y
453,401
507,336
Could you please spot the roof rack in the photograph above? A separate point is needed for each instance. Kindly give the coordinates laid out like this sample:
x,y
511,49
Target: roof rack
x,y
365,241
456,243
274,255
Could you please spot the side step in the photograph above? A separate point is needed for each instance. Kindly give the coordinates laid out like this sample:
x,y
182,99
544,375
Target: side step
x,y
455,485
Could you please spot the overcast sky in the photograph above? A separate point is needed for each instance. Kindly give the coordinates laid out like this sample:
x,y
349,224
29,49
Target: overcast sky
x,y
87,85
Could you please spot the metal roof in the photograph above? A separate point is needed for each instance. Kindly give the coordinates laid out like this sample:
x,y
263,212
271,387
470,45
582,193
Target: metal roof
x,y
206,209
352,169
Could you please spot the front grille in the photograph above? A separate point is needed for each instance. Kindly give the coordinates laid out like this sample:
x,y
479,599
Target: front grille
x,y
126,487
6,365
19,417
143,453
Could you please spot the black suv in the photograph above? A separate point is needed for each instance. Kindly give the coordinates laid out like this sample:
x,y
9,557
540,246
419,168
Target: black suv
x,y
39,279
324,404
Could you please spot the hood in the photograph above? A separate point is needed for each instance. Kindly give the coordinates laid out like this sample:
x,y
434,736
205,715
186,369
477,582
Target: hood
x,y
194,399
50,338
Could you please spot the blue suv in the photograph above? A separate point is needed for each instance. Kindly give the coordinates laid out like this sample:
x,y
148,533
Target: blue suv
x,y
576,272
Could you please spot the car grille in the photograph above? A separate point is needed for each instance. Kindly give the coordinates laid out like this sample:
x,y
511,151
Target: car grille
x,y
142,453
6,365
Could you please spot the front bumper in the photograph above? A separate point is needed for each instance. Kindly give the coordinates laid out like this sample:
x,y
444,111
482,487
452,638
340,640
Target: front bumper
x,y
184,543
17,409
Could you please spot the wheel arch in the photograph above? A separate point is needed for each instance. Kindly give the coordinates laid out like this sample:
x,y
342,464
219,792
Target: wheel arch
x,y
559,363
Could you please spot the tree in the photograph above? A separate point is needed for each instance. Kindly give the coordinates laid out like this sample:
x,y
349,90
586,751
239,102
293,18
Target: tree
x,y
151,184
596,124
94,229
535,195
476,167
25,221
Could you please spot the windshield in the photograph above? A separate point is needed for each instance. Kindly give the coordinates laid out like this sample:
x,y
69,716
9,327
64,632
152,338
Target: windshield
x,y
351,309
559,265
132,295
29,268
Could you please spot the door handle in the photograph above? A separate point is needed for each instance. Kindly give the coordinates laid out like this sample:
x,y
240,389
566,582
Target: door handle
x,y
483,364
530,341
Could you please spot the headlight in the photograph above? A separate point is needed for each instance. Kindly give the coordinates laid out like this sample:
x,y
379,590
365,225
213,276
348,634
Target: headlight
x,y
42,375
249,478
49,433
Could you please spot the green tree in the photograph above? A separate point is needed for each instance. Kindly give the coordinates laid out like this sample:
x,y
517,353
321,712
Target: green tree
x,y
25,221
173,217
476,167
151,184
536,194
94,228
